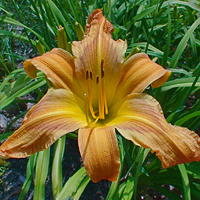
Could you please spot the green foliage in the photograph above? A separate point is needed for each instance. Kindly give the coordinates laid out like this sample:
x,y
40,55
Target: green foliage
x,y
17,84
167,30
3,165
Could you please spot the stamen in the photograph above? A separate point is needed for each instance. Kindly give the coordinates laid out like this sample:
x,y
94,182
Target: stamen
x,y
104,100
89,88
102,69
102,73
87,74
97,79
101,92
100,103
93,123
91,76
86,112
91,107
104,96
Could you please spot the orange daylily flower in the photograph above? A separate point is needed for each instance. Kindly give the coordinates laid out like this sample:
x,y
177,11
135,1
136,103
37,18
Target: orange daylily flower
x,y
98,92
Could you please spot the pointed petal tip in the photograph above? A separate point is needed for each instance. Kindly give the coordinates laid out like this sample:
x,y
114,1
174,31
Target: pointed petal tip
x,y
160,81
97,18
4,153
30,69
96,179
100,153
187,151
139,71
55,115
97,13
140,120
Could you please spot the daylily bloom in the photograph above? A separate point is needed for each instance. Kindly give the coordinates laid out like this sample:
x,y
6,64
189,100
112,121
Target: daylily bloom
x,y
97,92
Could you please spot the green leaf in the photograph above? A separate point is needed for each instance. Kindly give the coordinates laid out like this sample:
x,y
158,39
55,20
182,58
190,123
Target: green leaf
x,y
194,168
185,181
184,3
15,35
129,189
57,175
5,135
187,117
181,82
145,12
21,86
119,192
42,168
151,49
4,9
9,20
29,176
182,44
166,192
181,71
60,18
167,46
74,187
142,154
113,188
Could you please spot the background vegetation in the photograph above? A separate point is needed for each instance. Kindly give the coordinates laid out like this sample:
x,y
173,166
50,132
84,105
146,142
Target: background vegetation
x,y
168,31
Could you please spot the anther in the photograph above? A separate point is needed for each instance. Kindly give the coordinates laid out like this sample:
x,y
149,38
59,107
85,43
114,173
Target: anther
x,y
97,79
102,73
102,64
91,76
102,69
87,74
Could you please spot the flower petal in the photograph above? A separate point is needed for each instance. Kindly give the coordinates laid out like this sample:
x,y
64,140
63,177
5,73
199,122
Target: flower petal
x,y
100,153
100,55
56,114
140,71
140,120
58,66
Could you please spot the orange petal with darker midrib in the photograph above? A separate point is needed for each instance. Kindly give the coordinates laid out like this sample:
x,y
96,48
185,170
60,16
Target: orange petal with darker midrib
x,y
97,47
55,115
139,118
58,66
100,153
139,71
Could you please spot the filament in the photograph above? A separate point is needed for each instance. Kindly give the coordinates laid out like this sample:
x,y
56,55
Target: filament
x,y
86,112
89,86
101,94
102,101
103,89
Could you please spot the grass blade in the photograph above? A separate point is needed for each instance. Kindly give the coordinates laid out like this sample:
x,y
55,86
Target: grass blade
x,y
15,22
29,176
60,18
74,184
182,44
182,82
57,175
6,98
114,185
185,181
41,171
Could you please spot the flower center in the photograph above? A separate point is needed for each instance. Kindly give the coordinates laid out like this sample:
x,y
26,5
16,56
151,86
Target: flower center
x,y
99,82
